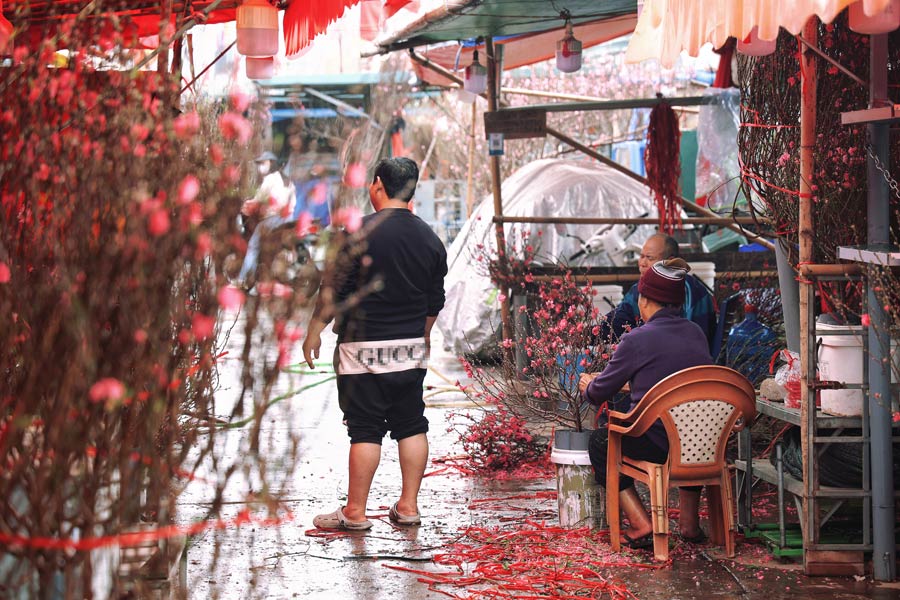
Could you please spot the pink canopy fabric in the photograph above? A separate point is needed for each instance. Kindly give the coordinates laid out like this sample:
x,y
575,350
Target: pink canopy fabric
x,y
667,27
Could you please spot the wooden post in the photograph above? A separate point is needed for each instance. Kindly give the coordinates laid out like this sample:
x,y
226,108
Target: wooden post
x,y
492,81
470,193
165,15
805,228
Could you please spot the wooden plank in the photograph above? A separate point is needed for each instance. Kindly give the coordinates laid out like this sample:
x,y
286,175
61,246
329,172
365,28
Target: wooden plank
x,y
880,114
522,124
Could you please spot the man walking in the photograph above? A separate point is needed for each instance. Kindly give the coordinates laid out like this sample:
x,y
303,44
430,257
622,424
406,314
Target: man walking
x,y
388,281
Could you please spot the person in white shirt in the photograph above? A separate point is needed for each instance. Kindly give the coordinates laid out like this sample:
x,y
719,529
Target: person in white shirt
x,y
273,203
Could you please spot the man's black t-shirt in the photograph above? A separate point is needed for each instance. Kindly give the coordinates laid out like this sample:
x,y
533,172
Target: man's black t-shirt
x,y
393,278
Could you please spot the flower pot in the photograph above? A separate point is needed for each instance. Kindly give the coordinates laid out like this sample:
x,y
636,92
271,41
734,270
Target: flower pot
x,y
581,501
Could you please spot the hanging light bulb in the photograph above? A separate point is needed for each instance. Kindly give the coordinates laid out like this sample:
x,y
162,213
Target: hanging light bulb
x,y
753,46
568,51
886,21
257,28
6,28
475,79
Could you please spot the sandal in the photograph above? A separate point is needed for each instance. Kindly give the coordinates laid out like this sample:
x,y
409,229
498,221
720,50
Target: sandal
x,y
700,538
399,519
337,520
645,542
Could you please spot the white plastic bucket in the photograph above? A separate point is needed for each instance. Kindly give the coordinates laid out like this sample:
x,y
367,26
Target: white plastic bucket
x,y
607,297
705,272
841,359
581,502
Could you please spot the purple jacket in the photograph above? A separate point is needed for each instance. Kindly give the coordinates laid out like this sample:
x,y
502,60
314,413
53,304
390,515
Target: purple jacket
x,y
665,344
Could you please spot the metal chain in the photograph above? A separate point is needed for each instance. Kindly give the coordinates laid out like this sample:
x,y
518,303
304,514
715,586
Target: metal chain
x,y
892,183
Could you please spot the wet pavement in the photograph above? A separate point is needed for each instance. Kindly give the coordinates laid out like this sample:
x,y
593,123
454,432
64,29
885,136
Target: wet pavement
x,y
292,560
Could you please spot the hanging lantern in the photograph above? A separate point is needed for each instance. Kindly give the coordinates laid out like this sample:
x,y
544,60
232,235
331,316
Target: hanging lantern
x,y
475,79
260,68
257,28
568,51
883,22
6,28
753,46
465,97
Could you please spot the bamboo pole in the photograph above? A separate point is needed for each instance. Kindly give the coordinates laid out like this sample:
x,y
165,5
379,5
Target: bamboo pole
x,y
594,154
470,193
626,171
492,85
805,226
623,220
631,277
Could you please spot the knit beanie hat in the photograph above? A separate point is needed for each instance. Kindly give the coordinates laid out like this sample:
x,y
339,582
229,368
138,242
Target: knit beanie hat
x,y
664,281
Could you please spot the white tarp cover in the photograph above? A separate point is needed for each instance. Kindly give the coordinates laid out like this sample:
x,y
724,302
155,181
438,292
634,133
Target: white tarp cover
x,y
543,188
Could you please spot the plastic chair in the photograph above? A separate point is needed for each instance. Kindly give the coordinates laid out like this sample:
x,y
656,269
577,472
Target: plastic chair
x,y
699,407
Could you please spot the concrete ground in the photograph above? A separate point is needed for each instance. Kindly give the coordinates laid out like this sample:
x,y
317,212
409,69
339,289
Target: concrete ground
x,y
291,560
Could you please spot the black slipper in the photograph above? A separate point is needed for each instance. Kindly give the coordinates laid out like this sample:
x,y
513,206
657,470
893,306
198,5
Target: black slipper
x,y
700,538
644,542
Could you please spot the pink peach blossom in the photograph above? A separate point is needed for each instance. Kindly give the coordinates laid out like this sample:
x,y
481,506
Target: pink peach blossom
x,y
188,189
4,273
106,389
202,326
187,125
230,298
355,176
159,222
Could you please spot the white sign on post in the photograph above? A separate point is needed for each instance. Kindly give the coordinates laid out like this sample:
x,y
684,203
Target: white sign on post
x,y
495,144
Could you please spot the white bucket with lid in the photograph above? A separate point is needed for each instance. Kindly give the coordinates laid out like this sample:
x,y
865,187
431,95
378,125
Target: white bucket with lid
x,y
705,272
607,297
841,359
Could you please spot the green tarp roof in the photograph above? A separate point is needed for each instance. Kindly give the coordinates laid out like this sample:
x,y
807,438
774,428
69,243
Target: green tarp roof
x,y
467,19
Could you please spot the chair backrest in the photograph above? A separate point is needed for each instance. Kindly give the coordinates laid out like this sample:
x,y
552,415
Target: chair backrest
x,y
699,408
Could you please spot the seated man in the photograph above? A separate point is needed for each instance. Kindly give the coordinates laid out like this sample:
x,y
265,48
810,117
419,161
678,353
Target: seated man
x,y
698,304
665,344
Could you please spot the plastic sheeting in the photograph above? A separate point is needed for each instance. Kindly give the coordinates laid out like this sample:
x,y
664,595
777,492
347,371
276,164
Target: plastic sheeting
x,y
717,149
544,188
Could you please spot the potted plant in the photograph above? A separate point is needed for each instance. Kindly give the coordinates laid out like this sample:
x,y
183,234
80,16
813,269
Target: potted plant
x,y
557,337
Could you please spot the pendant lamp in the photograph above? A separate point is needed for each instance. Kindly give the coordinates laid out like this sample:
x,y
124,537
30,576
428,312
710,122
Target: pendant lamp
x,y
568,51
753,46
6,29
475,79
883,22
257,28
260,68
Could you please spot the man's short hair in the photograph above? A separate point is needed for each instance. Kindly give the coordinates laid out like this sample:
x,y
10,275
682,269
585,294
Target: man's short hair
x,y
670,246
398,176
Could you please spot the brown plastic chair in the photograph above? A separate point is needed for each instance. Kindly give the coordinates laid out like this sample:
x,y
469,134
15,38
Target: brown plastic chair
x,y
699,407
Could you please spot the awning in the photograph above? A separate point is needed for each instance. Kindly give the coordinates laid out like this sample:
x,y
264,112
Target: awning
x,y
519,51
470,19
667,27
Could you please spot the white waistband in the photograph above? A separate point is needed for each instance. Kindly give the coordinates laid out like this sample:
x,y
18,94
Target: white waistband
x,y
382,356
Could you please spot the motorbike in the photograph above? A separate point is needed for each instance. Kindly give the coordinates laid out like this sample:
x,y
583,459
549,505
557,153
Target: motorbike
x,y
284,257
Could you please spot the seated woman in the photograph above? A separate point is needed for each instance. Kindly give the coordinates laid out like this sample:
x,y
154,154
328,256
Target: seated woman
x,y
665,344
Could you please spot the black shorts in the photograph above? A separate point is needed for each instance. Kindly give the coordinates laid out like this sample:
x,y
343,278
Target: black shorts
x,y
380,388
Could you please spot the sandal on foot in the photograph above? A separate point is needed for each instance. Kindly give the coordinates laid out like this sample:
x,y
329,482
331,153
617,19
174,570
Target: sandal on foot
x,y
399,519
700,538
337,520
644,542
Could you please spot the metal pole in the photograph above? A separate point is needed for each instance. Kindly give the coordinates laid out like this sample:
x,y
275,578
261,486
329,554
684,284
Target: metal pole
x,y
492,85
805,228
878,218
